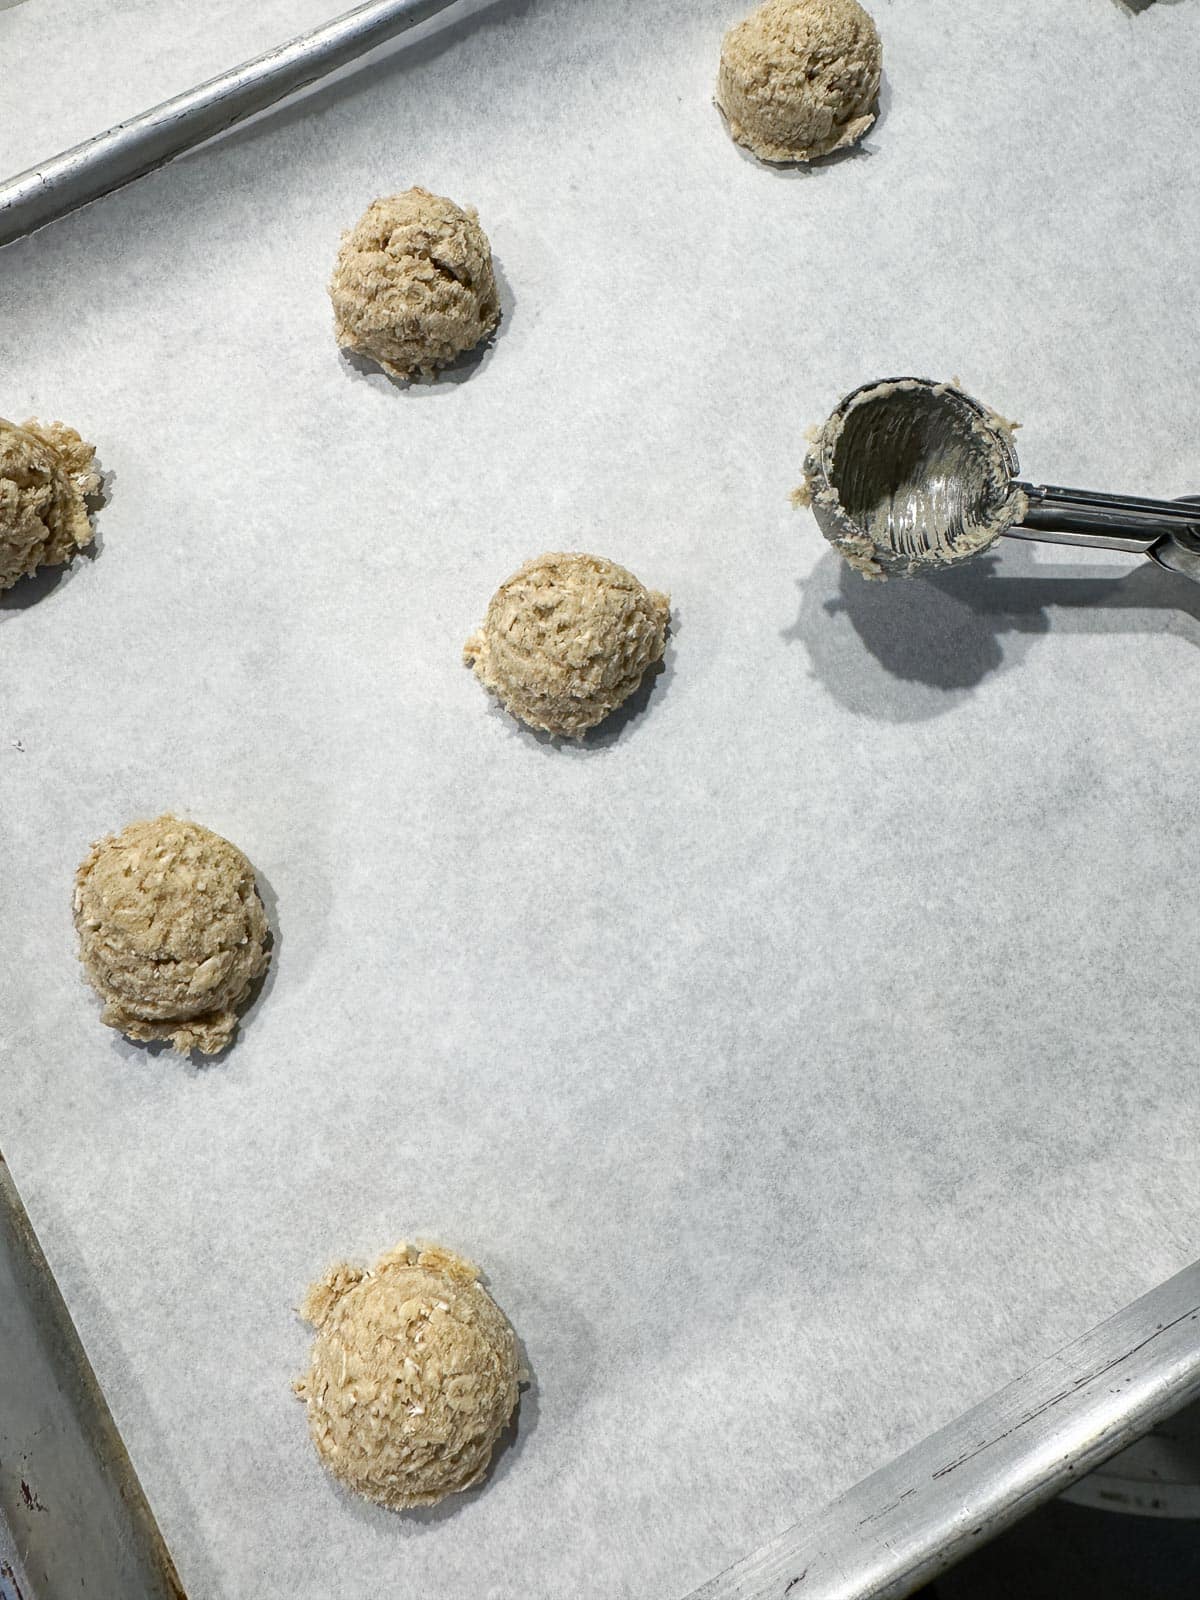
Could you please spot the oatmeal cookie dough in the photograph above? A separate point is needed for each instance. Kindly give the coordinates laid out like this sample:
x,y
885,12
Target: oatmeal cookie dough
x,y
800,78
413,1377
413,286
172,932
46,473
567,639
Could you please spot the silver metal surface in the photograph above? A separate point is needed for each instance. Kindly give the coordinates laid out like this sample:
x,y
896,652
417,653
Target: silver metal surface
x,y
1181,554
941,1500
14,1584
1132,543
133,148
1177,557
1157,1476
1177,552
68,1492
1168,531
913,473
922,473
1109,521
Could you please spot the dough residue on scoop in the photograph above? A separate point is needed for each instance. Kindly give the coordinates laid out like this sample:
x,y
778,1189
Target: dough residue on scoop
x,y
908,476
413,287
172,932
799,79
567,639
414,1376
46,473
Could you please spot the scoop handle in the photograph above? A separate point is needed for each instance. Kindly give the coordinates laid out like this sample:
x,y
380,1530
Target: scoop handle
x,y
1111,521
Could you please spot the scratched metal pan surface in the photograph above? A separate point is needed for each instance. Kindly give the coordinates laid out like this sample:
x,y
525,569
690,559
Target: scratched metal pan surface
x,y
72,1511
809,1054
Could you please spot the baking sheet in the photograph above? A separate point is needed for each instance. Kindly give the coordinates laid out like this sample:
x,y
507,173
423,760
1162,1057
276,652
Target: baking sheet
x,y
13,1583
70,1503
809,1054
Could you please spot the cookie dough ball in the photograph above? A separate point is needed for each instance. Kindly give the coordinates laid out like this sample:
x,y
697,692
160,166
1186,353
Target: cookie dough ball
x,y
413,286
413,1377
46,472
799,78
567,639
172,933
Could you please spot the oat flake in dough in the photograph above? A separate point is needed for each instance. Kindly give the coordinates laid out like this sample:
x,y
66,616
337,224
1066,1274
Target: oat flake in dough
x,y
172,932
800,78
46,473
413,286
413,1378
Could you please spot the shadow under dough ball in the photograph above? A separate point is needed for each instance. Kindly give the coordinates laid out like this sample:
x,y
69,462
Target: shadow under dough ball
x,y
567,639
172,933
46,474
413,286
413,1378
800,78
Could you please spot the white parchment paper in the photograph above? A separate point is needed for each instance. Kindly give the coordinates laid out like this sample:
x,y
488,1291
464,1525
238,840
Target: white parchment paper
x,y
808,1054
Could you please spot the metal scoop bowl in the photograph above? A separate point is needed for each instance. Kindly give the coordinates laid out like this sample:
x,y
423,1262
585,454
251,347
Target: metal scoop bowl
x,y
909,476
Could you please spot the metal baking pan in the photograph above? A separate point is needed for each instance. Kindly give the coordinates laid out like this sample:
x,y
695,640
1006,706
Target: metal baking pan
x,y
77,1521
781,1057
1040,1435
